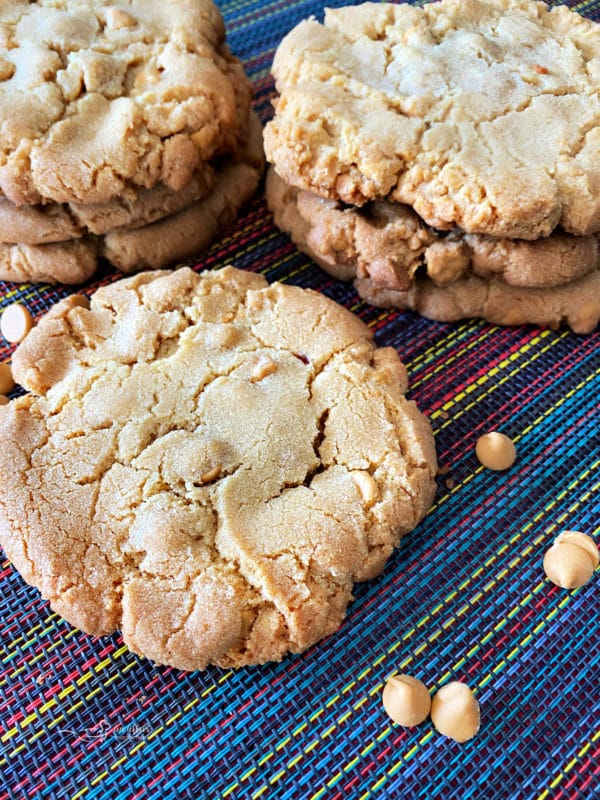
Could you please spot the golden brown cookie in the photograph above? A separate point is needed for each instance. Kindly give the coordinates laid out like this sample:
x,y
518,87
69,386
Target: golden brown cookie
x,y
387,243
576,304
54,222
96,98
481,115
164,243
208,463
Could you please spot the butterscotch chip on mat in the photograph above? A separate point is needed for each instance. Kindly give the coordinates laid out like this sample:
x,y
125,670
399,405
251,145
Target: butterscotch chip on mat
x,y
91,106
185,466
481,115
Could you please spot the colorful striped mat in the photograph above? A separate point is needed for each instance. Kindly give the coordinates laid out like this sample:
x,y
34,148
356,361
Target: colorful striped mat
x,y
464,597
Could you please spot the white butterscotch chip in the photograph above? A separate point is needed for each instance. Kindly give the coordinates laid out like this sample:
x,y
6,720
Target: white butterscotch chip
x,y
7,383
406,700
117,18
455,711
571,560
495,451
212,474
366,486
15,323
264,367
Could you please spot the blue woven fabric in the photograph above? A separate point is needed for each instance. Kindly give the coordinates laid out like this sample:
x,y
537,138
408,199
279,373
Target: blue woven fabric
x,y
464,597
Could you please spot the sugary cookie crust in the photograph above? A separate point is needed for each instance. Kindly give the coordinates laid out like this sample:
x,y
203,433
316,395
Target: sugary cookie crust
x,y
208,463
479,115
100,96
386,243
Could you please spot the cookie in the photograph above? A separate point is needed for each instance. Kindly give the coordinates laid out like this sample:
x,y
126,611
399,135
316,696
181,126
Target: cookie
x,y
576,304
183,235
387,243
208,463
480,115
53,222
164,243
96,99
60,262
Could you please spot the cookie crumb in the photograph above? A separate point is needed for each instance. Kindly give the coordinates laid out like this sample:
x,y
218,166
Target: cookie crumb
x,y
541,70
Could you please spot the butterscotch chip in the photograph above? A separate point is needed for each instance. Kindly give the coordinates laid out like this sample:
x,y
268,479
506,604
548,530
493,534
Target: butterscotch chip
x,y
406,700
571,560
158,487
15,323
495,451
106,99
455,711
4,400
441,107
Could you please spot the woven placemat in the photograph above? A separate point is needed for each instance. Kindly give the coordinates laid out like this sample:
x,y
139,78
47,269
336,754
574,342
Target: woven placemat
x,y
464,597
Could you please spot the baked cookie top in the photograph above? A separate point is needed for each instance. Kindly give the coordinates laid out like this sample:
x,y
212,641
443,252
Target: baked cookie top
x,y
480,114
99,96
208,463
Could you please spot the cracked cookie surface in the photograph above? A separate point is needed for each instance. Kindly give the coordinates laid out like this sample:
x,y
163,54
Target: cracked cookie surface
x,y
99,97
208,463
481,115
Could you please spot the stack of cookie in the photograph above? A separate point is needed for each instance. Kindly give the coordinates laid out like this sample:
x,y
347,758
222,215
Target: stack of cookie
x,y
125,133
447,158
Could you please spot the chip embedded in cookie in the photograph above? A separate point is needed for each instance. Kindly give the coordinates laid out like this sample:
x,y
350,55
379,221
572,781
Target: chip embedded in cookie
x,y
208,463
481,115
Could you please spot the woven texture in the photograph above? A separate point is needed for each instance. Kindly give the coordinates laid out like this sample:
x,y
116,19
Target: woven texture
x,y
464,597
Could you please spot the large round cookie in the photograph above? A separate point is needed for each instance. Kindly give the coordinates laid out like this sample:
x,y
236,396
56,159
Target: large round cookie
x,y
53,222
481,115
99,96
208,463
576,304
